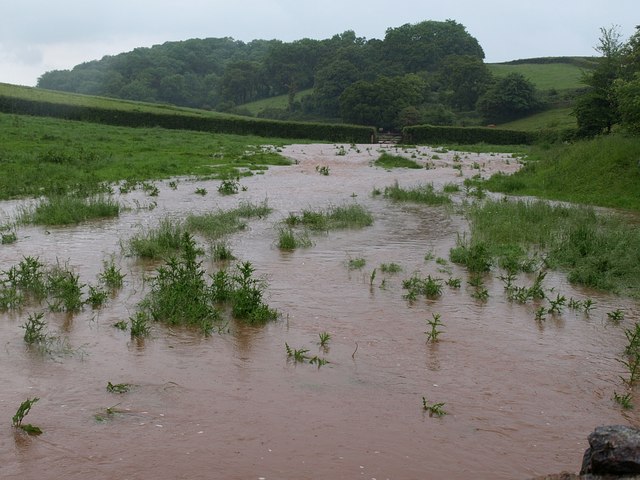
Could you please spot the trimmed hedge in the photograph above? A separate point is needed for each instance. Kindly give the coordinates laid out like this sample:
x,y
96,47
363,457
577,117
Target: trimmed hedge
x,y
466,135
183,121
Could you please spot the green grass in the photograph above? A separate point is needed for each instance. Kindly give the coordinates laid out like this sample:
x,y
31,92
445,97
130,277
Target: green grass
x,y
159,242
424,194
390,268
289,239
45,156
281,101
215,225
386,160
559,76
333,218
179,292
70,210
603,172
555,118
167,238
76,99
356,263
595,250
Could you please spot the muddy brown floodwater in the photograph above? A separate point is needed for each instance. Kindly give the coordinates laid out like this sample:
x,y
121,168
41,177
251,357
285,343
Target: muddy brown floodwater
x,y
521,396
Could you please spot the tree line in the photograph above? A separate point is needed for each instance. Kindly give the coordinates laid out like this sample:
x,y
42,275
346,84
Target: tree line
x,y
429,72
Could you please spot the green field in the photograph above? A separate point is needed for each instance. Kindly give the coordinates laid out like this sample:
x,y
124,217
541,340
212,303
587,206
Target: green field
x,y
549,119
41,155
545,76
281,101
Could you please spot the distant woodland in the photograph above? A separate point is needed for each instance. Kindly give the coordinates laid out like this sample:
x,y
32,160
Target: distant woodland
x,y
430,72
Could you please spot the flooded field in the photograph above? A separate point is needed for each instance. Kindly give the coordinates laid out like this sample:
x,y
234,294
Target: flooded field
x,y
521,395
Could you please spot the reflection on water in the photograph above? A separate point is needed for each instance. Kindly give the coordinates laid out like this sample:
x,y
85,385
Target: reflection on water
x,y
521,395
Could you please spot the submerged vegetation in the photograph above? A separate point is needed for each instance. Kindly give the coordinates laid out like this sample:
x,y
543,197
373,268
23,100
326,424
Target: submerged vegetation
x,y
182,293
23,410
167,238
333,218
69,210
425,194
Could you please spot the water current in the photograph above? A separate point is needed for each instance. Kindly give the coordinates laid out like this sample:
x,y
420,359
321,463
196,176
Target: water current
x,y
521,396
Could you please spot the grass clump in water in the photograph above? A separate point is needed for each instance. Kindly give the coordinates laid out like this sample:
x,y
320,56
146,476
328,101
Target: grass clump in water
x,y
247,296
182,295
424,194
475,256
215,225
159,242
289,239
386,160
356,263
64,289
179,292
70,210
390,268
428,286
221,252
334,218
111,275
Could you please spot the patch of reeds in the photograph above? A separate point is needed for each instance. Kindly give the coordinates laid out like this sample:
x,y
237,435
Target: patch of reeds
x,y
70,210
424,194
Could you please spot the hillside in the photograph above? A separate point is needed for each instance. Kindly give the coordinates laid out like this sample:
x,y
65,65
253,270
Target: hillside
x,y
545,76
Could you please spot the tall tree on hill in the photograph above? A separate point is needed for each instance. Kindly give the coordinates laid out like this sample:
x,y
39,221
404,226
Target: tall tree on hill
x,y
627,87
412,48
597,111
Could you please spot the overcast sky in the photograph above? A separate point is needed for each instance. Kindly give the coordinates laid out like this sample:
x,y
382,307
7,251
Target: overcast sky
x,y
41,35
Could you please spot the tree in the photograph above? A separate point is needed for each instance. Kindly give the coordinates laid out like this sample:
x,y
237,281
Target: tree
x,y
509,98
330,82
596,111
414,48
463,79
627,93
380,102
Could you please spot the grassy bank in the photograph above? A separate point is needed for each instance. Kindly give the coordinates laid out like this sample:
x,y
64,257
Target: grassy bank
x,y
598,251
604,171
44,156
